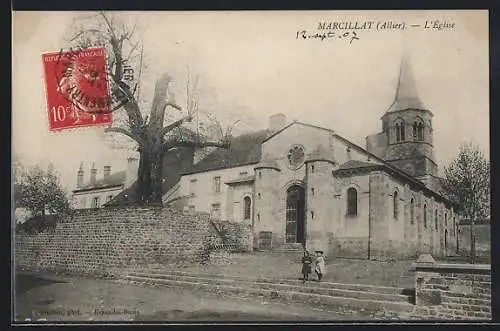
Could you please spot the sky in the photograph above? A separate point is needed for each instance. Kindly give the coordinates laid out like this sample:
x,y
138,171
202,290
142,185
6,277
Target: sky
x,y
251,65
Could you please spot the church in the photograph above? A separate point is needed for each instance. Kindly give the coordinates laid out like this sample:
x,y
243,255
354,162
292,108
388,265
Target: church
x,y
298,184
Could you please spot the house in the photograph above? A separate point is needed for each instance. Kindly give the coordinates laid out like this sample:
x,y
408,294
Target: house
x,y
95,193
300,185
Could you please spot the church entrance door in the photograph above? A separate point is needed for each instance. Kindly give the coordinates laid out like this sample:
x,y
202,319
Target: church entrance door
x,y
295,215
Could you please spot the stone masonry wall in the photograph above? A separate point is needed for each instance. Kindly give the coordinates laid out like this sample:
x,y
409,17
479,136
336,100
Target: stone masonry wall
x,y
237,236
453,291
108,240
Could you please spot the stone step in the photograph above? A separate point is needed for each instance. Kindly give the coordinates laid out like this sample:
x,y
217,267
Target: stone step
x,y
284,296
322,284
290,248
280,286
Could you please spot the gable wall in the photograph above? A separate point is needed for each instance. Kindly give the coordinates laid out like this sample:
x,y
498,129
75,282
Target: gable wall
x,y
203,189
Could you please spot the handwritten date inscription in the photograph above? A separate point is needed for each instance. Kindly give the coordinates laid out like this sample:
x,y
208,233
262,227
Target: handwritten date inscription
x,y
349,35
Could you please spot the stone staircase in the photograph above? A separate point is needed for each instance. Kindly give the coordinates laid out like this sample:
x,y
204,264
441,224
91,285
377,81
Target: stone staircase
x,y
290,248
326,295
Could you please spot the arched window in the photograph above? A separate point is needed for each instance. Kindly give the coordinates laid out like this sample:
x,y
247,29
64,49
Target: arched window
x,y
412,211
418,130
395,204
446,219
247,208
399,130
425,216
436,219
352,202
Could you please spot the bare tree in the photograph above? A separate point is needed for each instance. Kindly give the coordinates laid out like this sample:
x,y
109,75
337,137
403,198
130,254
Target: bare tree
x,y
146,129
467,184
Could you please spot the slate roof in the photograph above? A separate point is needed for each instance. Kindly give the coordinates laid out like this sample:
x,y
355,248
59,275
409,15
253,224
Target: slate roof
x,y
244,149
114,179
355,164
245,179
406,92
268,164
476,222
367,167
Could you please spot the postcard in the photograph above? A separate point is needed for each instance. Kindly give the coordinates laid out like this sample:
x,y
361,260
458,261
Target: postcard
x,y
250,166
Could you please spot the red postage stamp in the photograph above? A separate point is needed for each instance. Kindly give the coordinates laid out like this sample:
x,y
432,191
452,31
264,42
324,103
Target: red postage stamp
x,y
77,88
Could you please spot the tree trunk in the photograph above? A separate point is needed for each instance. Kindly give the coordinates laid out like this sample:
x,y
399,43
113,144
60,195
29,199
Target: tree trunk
x,y
472,243
144,177
157,178
149,180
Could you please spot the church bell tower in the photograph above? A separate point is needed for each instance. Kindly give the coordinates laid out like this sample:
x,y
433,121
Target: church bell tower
x,y
407,126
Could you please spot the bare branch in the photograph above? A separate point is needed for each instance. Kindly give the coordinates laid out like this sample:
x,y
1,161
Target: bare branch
x,y
175,124
131,33
176,144
123,131
134,46
109,25
87,31
140,73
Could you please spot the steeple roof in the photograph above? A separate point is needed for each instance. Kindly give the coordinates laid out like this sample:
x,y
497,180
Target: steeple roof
x,y
406,91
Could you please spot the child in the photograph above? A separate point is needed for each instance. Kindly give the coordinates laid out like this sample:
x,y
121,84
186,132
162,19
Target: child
x,y
306,266
320,265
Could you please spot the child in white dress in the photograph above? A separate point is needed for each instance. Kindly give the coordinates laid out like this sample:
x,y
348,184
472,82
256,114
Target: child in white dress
x,y
320,265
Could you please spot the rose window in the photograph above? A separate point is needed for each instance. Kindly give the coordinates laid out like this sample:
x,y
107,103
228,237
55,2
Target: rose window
x,y
295,156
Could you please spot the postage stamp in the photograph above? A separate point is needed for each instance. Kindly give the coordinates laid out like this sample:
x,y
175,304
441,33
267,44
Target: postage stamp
x,y
77,89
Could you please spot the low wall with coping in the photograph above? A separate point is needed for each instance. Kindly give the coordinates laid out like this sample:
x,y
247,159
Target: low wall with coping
x,y
453,291
107,240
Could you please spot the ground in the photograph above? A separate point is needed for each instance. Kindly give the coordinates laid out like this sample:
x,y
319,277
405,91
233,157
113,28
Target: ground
x,y
271,265
68,298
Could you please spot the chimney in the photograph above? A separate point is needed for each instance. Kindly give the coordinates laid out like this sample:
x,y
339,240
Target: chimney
x,y
107,171
131,172
79,176
93,175
276,122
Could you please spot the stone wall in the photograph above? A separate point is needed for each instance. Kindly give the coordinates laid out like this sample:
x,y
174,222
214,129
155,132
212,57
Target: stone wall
x,y
453,291
234,235
352,247
112,239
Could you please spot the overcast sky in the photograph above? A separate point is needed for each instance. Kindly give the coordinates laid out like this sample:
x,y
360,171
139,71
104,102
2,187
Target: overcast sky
x,y
253,66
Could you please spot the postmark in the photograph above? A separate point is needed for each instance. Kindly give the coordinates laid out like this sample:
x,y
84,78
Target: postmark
x,y
78,89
